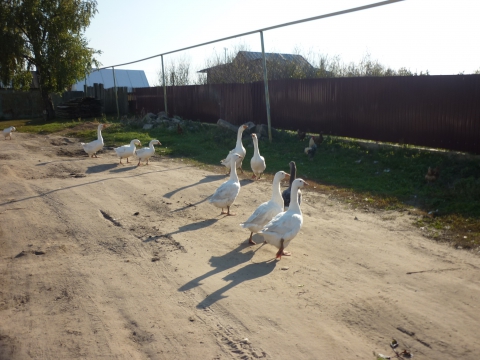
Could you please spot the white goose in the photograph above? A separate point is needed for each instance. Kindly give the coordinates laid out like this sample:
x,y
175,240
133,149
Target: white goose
x,y
127,150
226,193
8,132
92,147
147,152
257,162
266,211
286,225
239,149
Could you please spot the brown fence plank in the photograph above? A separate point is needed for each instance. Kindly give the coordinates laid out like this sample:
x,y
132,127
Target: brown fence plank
x,y
435,111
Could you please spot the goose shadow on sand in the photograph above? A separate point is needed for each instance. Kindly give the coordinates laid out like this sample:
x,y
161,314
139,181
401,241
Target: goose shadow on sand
x,y
227,261
100,168
193,226
206,179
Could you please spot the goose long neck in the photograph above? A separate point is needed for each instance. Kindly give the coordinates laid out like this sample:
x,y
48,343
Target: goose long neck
x,y
277,192
151,145
239,136
99,132
233,171
293,173
294,205
255,146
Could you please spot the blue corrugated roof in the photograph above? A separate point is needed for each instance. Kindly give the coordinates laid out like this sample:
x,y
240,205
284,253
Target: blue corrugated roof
x,y
129,78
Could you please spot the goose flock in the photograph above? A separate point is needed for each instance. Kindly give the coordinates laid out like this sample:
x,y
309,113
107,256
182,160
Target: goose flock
x,y
278,220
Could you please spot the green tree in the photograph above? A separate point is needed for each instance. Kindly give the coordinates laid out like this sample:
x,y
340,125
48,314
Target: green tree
x,y
46,36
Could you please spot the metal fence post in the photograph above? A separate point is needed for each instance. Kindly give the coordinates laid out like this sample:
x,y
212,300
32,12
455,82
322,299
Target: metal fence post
x,y
164,88
267,96
116,95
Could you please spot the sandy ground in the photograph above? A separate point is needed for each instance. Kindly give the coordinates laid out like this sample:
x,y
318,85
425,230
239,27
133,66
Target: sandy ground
x,y
104,261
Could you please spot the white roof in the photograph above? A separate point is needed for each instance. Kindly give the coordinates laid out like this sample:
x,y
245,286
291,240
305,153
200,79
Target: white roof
x,y
129,78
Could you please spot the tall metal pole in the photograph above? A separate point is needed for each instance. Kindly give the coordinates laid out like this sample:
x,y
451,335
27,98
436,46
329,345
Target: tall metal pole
x,y
116,95
267,96
164,88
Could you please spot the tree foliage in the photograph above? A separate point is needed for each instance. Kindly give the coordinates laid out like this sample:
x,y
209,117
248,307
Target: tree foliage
x,y
177,72
46,36
222,68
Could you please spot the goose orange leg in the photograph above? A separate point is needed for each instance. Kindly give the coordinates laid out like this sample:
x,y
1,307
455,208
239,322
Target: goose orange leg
x,y
281,251
250,241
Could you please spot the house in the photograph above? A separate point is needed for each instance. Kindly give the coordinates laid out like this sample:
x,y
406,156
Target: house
x,y
247,67
123,78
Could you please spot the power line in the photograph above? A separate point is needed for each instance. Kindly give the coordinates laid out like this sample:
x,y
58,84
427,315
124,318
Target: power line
x,y
365,7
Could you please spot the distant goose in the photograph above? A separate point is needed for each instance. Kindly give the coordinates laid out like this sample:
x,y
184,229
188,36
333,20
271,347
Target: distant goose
x,y
226,193
257,162
94,146
127,150
239,149
8,132
147,152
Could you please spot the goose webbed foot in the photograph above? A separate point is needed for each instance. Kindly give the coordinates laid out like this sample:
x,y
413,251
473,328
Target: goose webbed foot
x,y
250,241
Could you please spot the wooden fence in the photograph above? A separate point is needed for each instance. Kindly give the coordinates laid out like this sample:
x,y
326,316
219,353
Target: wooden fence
x,y
107,96
29,104
434,111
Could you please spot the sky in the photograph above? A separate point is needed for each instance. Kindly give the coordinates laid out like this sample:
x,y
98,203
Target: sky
x,y
440,36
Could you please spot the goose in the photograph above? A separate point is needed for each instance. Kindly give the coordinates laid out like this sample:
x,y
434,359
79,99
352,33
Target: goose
x,y
266,211
239,149
92,147
257,162
127,150
226,193
8,132
286,225
147,152
286,193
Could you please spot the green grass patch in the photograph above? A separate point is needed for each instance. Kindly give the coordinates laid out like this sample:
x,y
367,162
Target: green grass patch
x,y
364,175
39,126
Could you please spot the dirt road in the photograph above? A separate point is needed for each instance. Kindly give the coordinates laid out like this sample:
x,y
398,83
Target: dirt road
x,y
104,261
